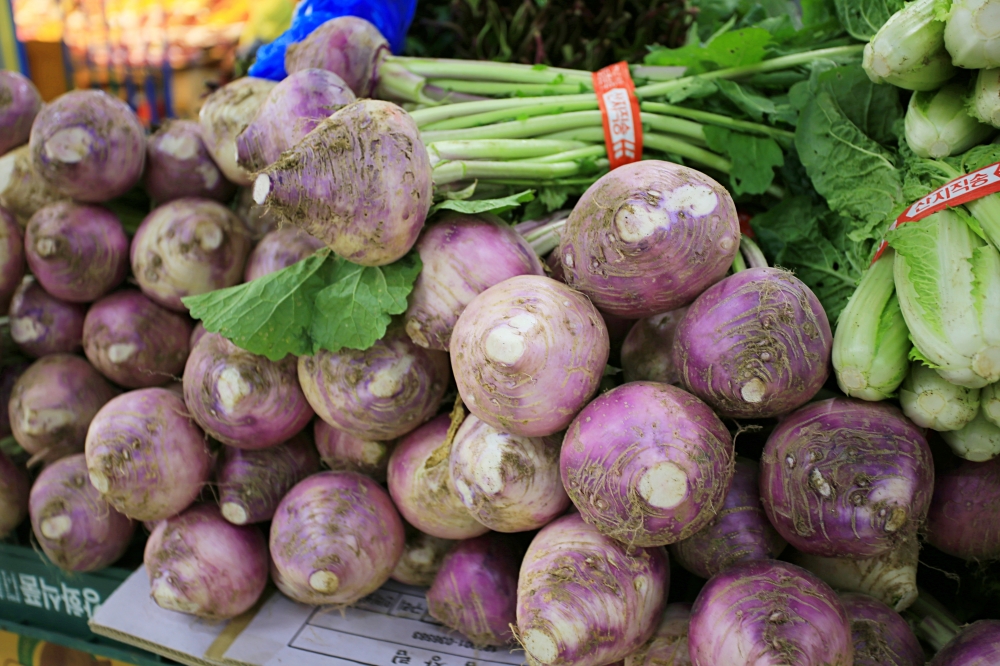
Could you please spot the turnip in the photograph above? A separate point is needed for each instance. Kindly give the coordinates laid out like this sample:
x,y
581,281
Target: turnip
x,y
335,538
462,256
881,636
343,452
178,165
77,252
740,531
769,612
74,526
380,393
360,182
421,559
22,190
226,113
584,599
257,220
11,257
507,482
846,478
14,489
475,591
252,482
348,46
669,645
88,145
53,403
242,399
41,324
188,247
9,375
279,249
528,354
647,464
134,342
19,104
964,518
196,334
199,564
977,645
755,345
422,488
146,456
647,353
292,109
648,237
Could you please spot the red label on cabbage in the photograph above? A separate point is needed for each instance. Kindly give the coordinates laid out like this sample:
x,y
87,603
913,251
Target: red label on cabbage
x,y
619,113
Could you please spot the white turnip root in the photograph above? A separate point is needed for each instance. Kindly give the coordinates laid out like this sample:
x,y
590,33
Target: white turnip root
x,y
41,324
881,636
178,165
53,404
348,46
421,559
201,565
22,190
226,113
12,262
343,452
335,538
15,487
146,456
669,645
19,104
279,249
647,353
88,145
73,524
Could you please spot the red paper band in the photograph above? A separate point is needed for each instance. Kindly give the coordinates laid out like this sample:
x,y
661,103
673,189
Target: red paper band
x,y
971,186
619,114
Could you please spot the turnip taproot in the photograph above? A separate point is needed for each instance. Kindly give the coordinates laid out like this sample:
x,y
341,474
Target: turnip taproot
x,y
15,487
977,645
422,557
227,112
22,190
20,102
348,46
178,165
343,452
41,324
881,636
279,249
647,352
11,257
669,645
964,517
73,524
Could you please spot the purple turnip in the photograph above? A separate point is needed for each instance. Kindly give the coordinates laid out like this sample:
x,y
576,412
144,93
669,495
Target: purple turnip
x,y
226,113
348,46
507,482
422,488
11,257
669,645
188,247
360,182
242,399
964,518
291,110
462,256
647,353
199,564
19,104
475,591
279,249
335,538
421,559
528,354
977,645
146,456
41,324
77,252
739,531
846,478
134,342
583,599
53,404
22,190
197,333
8,378
14,489
73,524
88,145
881,636
649,237
647,464
178,165
755,345
769,612
252,483
380,393
343,452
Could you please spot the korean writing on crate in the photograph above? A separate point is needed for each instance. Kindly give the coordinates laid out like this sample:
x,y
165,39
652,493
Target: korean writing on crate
x,y
35,591
404,657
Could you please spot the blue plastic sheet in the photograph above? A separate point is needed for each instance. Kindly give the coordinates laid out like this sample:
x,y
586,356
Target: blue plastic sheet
x,y
391,17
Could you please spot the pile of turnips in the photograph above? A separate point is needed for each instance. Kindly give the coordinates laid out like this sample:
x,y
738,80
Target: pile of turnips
x,y
483,447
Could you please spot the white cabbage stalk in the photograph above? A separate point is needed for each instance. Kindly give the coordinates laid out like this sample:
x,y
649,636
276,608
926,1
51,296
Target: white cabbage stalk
x,y
948,284
938,124
871,344
985,102
933,402
972,35
908,51
978,441
989,403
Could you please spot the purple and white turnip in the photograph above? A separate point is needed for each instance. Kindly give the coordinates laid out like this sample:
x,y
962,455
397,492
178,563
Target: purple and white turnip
x,y
224,114
15,487
178,165
12,262
350,47
977,645
20,102
964,516
881,636
22,190
669,645
279,249
9,375
343,452
422,557
647,352
41,324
